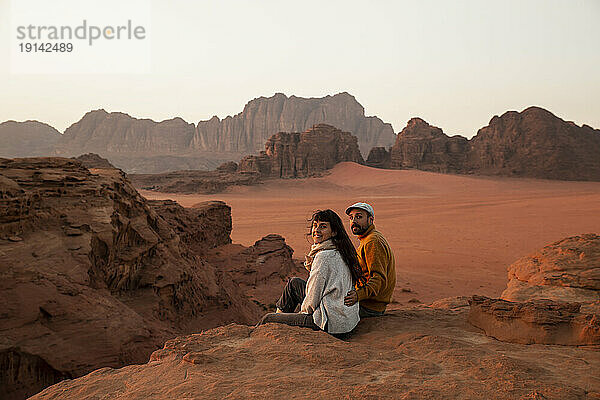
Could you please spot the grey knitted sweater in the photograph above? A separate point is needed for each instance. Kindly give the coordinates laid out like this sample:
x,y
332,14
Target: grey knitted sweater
x,y
327,285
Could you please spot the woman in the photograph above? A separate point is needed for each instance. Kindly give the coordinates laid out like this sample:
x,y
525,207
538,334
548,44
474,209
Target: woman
x,y
334,269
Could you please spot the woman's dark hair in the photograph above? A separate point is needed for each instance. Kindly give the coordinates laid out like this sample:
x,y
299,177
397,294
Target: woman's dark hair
x,y
341,241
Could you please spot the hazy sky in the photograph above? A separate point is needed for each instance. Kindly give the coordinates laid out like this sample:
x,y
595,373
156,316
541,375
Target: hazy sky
x,y
453,63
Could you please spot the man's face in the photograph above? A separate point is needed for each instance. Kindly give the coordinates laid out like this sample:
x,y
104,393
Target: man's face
x,y
360,220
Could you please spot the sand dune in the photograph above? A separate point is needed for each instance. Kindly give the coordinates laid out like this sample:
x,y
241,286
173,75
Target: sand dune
x,y
452,235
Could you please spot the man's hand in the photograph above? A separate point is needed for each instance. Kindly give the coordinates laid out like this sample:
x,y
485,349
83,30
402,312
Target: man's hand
x,y
351,298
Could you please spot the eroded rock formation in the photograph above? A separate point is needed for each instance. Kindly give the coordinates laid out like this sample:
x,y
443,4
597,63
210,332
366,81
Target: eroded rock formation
x,y
247,131
426,147
532,143
539,321
260,270
567,270
94,275
553,297
297,155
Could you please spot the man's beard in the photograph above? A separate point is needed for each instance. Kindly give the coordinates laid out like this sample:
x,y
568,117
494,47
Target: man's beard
x,y
359,229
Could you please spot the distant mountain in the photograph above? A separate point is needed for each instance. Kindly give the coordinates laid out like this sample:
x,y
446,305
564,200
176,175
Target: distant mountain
x,y
248,131
533,143
102,132
146,146
27,139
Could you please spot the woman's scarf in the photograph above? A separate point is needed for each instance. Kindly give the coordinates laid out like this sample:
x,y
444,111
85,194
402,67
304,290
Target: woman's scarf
x,y
314,249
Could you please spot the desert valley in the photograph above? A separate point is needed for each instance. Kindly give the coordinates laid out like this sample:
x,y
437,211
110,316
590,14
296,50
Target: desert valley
x,y
146,281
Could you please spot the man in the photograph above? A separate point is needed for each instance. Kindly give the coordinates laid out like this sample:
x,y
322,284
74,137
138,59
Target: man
x,y
377,263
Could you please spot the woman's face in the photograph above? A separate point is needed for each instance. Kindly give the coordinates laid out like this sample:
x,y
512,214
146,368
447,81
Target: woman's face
x,y
321,231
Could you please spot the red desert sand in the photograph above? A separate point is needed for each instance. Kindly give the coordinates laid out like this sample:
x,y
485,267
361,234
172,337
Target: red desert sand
x,y
452,235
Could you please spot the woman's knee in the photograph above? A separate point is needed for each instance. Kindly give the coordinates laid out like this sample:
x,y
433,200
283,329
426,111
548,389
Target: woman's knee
x,y
296,282
266,319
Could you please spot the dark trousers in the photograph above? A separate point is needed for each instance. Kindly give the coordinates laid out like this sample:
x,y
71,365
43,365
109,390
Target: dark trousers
x,y
292,296
365,312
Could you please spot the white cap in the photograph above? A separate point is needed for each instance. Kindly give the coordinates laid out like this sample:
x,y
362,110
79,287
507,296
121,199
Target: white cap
x,y
361,206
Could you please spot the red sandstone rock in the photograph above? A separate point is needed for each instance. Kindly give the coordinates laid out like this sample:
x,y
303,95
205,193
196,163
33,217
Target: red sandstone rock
x,y
93,275
261,270
537,144
533,143
426,147
296,155
566,270
417,353
540,321
202,227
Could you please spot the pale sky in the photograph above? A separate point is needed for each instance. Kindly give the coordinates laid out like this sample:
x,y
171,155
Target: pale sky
x,y
455,64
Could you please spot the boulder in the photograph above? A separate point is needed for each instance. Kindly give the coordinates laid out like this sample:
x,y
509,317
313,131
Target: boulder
x,y
539,321
567,270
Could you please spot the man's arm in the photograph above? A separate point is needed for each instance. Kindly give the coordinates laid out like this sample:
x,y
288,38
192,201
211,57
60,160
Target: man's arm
x,y
377,261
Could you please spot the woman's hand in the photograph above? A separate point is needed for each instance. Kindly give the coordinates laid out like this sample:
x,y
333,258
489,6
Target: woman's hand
x,y
351,298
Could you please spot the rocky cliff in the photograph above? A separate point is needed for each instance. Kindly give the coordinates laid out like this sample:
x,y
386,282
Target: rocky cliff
x,y
27,139
297,155
94,275
532,143
537,144
247,131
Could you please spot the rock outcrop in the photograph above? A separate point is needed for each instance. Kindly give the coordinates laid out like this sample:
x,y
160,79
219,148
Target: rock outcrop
x,y
92,160
537,144
93,275
298,155
567,270
247,131
539,321
426,147
552,297
201,227
260,270
27,139
532,143
417,353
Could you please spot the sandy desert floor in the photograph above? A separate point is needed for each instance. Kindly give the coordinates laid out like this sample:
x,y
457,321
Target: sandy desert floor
x,y
452,235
